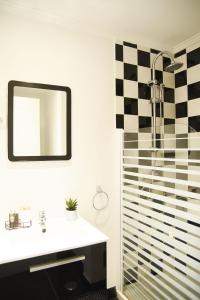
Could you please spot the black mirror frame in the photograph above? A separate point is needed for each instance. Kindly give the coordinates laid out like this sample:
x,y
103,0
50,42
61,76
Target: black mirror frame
x,y
11,156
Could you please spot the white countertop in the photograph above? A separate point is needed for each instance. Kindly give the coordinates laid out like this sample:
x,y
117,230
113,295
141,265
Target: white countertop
x,y
61,235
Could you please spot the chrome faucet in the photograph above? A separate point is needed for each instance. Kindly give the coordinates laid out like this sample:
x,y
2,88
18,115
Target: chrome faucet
x,y
42,220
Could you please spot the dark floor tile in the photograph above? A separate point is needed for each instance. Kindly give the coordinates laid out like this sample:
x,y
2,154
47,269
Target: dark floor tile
x,y
95,294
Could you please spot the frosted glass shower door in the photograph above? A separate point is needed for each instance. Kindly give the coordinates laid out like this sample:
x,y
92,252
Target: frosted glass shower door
x,y
161,216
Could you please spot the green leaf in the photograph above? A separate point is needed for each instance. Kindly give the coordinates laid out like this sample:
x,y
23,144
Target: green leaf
x,y
71,204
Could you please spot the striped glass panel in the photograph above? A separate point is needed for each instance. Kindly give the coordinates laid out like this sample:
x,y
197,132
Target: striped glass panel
x,y
161,216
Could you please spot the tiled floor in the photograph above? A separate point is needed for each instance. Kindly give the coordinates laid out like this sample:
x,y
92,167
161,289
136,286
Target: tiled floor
x,y
100,295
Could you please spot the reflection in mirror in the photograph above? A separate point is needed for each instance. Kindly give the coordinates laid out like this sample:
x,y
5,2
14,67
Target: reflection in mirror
x,y
38,115
44,113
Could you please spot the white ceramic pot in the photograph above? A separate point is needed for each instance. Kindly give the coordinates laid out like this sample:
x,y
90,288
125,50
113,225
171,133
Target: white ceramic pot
x,y
71,215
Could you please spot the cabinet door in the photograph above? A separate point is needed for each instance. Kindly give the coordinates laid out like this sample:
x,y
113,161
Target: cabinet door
x,y
56,276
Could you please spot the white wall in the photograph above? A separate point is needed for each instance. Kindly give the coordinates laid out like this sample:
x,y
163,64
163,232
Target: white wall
x,y
46,54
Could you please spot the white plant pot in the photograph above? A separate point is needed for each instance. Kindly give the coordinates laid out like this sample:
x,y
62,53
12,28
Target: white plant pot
x,y
71,215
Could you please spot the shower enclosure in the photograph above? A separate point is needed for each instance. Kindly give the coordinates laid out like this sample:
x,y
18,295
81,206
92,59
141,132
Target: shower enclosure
x,y
160,217
160,236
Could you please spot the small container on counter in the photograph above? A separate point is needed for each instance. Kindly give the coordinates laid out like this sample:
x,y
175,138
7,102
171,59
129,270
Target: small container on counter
x,y
13,220
25,215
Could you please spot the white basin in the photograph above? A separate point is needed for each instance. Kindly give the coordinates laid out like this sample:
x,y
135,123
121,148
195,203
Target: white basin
x,y
60,235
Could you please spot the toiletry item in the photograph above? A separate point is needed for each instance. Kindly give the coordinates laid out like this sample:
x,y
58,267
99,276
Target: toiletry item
x,y
11,219
16,220
25,214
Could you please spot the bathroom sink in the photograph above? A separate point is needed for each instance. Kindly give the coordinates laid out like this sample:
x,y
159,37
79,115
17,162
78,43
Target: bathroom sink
x,y
60,235
28,237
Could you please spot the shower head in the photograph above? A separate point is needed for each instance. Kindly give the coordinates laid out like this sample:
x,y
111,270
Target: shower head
x,y
170,68
173,66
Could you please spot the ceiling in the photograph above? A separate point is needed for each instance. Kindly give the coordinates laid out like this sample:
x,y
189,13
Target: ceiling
x,y
151,22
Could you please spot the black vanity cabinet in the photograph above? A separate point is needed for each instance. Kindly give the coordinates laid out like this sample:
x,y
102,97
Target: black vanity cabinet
x,y
66,275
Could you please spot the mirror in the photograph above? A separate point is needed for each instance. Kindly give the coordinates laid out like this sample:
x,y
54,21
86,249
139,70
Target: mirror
x,y
39,121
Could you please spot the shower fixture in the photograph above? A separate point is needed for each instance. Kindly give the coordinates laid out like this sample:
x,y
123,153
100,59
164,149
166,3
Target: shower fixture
x,y
157,89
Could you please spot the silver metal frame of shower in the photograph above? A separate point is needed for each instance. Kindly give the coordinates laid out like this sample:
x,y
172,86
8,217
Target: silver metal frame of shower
x,y
157,89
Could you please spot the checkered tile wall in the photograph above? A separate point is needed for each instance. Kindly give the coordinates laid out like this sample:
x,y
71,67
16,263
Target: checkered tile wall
x,y
133,107
187,89
181,95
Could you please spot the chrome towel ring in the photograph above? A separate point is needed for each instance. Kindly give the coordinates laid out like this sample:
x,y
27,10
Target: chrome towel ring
x,y
99,191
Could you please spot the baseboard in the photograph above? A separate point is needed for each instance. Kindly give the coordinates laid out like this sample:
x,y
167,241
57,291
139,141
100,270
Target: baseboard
x,y
121,296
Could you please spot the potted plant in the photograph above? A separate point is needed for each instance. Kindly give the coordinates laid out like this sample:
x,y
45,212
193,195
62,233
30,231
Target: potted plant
x,y
71,209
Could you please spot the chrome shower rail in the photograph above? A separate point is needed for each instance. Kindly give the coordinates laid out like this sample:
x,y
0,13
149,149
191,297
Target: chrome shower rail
x,y
161,216
157,88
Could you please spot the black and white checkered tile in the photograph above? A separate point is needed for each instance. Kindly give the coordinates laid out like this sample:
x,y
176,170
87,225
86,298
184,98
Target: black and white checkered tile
x,y
187,90
133,71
